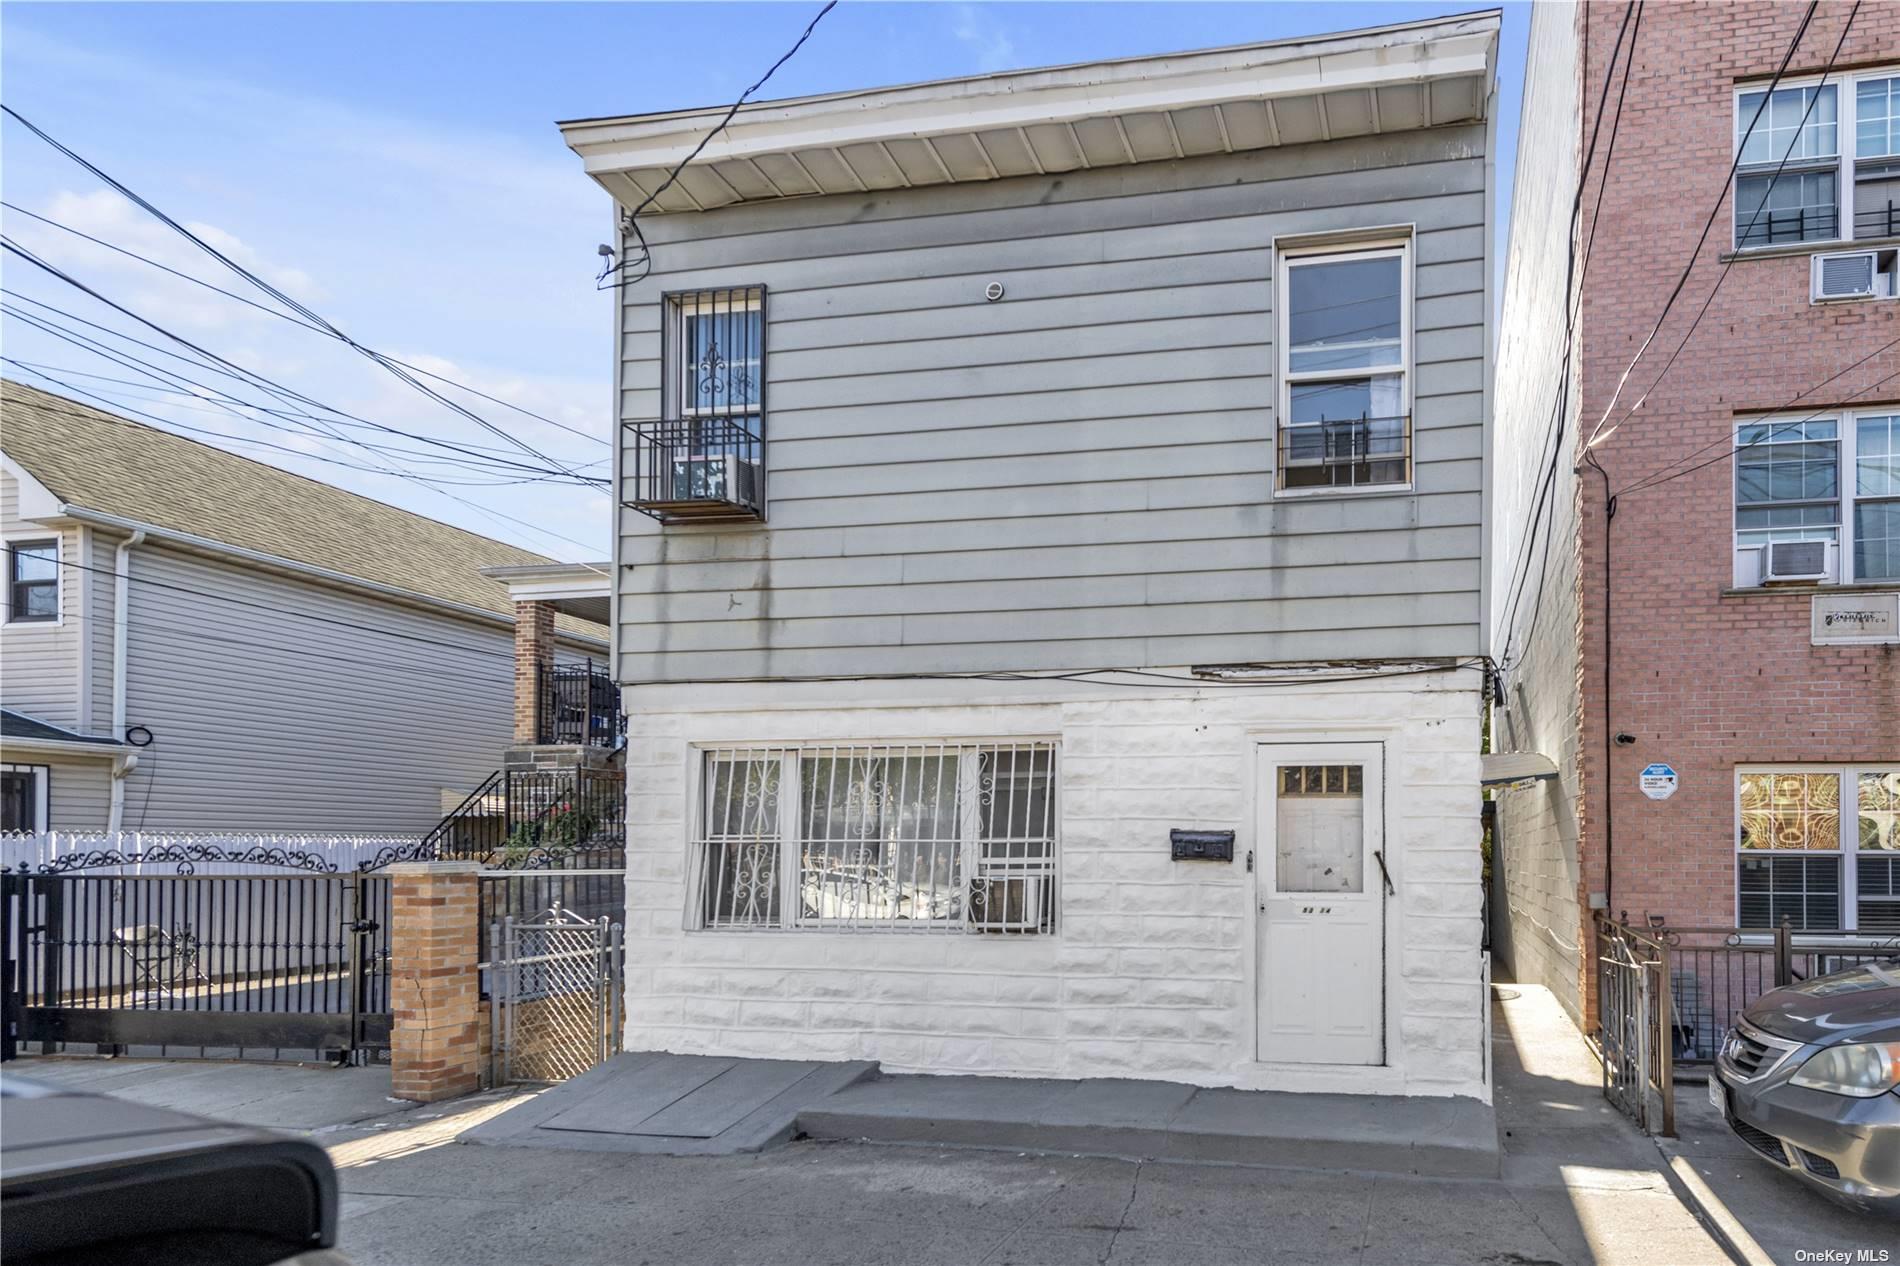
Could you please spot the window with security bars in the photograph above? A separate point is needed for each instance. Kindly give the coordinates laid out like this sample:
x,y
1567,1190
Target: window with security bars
x,y
952,837
1820,848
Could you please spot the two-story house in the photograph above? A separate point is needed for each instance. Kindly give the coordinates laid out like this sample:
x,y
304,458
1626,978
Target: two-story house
x,y
1051,571
191,640
1698,494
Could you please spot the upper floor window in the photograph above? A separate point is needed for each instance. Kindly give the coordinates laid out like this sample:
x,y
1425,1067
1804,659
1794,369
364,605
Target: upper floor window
x,y
32,581
1818,162
704,456
1819,847
1831,484
1345,338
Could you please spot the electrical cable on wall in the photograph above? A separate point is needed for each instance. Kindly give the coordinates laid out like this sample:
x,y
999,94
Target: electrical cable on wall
x,y
640,265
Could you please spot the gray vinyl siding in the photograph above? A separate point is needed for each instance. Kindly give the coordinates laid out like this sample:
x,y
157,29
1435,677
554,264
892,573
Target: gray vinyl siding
x,y
39,662
1081,474
79,791
264,720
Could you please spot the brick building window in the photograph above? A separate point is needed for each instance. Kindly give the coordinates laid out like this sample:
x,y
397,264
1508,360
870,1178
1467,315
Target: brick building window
x,y
1834,480
956,837
1818,162
1819,847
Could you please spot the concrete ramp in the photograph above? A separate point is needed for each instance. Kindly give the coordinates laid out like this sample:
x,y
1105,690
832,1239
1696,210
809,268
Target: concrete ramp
x,y
1153,1120
674,1105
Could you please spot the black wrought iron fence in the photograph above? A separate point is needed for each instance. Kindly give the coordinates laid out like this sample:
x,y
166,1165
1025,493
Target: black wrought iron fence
x,y
290,964
530,819
579,704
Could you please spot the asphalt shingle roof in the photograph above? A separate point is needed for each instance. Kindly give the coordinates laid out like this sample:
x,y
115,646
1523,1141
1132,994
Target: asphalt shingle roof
x,y
18,725
99,461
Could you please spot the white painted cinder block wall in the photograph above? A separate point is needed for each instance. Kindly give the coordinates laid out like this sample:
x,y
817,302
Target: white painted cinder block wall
x,y
1150,973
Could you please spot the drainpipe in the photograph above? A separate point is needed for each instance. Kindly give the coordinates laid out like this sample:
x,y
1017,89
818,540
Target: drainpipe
x,y
124,762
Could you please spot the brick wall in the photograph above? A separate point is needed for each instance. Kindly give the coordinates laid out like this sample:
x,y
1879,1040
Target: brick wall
x,y
437,1049
1704,680
1151,972
534,649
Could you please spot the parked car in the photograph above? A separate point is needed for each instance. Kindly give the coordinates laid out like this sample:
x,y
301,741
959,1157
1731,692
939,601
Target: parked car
x,y
89,1179
1809,1078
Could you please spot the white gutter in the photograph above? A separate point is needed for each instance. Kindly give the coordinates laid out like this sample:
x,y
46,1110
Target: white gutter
x,y
124,762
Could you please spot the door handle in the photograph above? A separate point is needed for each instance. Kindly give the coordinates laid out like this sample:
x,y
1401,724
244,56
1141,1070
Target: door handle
x,y
1384,874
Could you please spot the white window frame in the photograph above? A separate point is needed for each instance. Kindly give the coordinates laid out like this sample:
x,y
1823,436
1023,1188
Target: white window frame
x,y
676,396
58,542
42,791
1289,256
1848,851
1847,426
972,864
1846,157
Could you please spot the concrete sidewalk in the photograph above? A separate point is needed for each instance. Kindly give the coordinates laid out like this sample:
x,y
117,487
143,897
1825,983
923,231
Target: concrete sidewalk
x,y
1580,1187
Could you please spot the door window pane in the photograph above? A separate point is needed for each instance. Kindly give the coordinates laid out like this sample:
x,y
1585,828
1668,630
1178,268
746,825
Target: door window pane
x,y
1320,831
1344,314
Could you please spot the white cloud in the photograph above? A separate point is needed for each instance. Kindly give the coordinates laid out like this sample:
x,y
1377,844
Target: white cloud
x,y
979,31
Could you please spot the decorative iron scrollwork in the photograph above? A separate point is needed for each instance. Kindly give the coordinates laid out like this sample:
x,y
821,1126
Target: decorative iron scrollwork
x,y
186,857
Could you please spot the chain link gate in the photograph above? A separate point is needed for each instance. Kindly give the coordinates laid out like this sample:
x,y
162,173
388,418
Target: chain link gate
x,y
557,987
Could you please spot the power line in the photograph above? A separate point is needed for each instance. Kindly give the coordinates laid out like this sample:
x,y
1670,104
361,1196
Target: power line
x,y
231,369
274,292
1714,210
294,320
1780,428
644,261
1663,475
1688,334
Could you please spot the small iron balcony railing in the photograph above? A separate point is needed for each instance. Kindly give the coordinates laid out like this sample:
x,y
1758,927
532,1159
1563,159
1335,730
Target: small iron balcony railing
x,y
580,704
1880,221
696,468
1801,224
1358,452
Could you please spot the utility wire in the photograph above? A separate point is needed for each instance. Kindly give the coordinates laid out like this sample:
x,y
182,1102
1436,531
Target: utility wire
x,y
1714,210
1779,429
277,294
219,364
295,320
631,223
1813,100
1728,441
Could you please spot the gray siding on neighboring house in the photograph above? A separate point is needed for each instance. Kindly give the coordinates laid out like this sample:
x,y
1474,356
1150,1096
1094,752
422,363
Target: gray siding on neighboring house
x,y
1079,475
79,791
39,662
319,720
1535,906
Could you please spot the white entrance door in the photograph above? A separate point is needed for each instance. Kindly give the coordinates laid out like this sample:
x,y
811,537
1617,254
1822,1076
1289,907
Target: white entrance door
x,y
1321,884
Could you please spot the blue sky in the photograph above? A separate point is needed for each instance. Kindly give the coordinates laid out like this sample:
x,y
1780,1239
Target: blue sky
x,y
396,168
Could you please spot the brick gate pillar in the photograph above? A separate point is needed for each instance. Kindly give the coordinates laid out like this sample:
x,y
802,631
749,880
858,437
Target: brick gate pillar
x,y
434,986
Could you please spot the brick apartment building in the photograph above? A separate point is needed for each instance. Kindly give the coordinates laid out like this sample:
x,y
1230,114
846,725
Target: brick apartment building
x,y
1735,614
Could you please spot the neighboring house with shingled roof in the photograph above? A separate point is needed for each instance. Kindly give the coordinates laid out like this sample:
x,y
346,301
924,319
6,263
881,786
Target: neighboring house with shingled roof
x,y
193,639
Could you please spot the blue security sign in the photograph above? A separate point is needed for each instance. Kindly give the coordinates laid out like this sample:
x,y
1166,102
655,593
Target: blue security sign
x,y
1658,781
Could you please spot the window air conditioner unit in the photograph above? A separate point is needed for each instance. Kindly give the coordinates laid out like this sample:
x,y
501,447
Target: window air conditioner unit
x,y
1007,904
1854,275
720,477
1796,560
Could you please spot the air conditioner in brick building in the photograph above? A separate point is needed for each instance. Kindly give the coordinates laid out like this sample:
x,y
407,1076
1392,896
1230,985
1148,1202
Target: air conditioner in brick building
x,y
1797,560
1855,275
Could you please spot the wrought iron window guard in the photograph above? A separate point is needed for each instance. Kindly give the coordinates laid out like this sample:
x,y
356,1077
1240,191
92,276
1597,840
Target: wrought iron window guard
x,y
695,469
1357,452
1803,224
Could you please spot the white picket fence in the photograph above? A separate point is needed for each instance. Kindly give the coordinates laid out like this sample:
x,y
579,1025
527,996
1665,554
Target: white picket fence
x,y
339,851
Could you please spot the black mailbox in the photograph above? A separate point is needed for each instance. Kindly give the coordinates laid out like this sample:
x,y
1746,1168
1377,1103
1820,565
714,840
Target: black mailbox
x,y
1202,846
